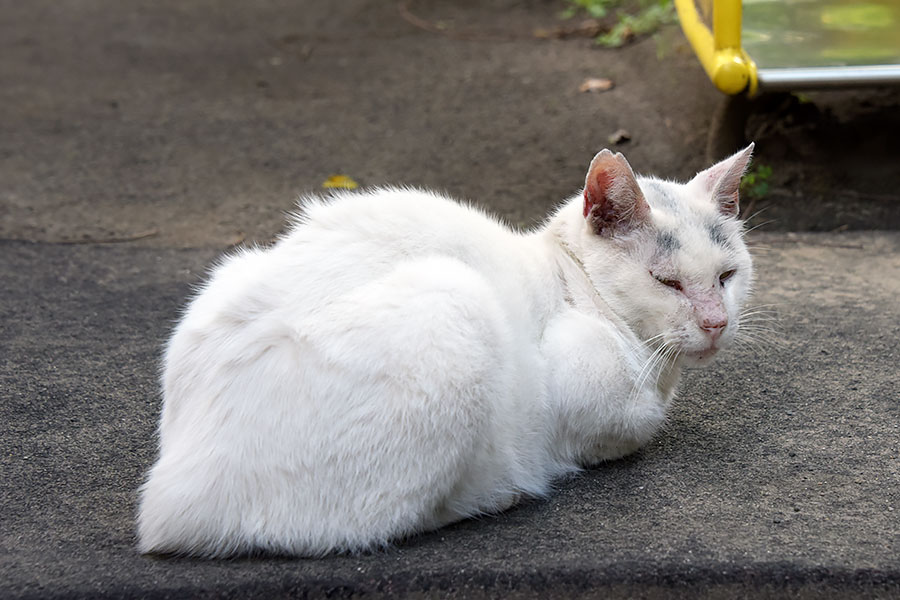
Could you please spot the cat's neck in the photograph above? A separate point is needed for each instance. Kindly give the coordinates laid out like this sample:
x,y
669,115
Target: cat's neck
x,y
563,236
576,277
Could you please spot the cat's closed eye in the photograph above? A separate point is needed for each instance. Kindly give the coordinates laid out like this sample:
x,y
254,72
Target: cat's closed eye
x,y
672,283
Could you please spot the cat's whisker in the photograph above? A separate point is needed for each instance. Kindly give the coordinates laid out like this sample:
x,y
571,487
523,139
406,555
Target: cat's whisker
x,y
752,348
760,321
757,332
771,306
758,225
662,358
758,337
757,213
766,335
761,310
767,305
757,349
750,339
763,335
651,340
763,313
758,328
648,368
667,361
762,331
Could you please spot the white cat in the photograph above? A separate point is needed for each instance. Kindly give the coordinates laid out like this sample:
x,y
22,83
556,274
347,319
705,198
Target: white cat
x,y
399,361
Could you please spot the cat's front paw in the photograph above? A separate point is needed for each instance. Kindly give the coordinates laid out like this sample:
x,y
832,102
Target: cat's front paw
x,y
608,450
633,428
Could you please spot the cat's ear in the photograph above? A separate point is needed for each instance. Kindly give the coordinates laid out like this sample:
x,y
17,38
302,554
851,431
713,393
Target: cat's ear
x,y
722,181
613,201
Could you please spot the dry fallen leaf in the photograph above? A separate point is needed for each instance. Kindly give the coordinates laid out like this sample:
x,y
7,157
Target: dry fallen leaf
x,y
619,137
341,182
589,28
236,237
593,84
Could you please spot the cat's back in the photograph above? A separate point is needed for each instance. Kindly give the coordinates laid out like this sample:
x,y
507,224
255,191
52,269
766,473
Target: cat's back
x,y
396,222
335,248
340,243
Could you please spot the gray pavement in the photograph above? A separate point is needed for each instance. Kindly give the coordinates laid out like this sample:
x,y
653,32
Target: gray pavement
x,y
779,470
139,140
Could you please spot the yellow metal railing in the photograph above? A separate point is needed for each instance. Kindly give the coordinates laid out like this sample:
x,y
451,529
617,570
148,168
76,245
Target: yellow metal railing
x,y
719,50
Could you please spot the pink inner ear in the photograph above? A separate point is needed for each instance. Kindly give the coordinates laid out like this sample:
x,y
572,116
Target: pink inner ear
x,y
726,193
613,200
723,181
728,203
598,184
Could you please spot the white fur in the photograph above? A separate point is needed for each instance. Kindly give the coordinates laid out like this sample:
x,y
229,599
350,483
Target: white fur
x,y
399,361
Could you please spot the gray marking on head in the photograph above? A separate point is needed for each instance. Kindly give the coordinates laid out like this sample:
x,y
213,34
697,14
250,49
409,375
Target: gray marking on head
x,y
717,233
667,241
662,193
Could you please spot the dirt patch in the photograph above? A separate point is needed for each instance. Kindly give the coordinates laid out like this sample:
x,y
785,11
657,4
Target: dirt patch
x,y
835,159
199,125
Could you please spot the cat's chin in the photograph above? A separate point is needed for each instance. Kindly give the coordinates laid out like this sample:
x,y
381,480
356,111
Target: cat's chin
x,y
700,358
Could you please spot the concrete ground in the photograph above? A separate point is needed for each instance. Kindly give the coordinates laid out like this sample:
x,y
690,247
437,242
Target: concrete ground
x,y
140,140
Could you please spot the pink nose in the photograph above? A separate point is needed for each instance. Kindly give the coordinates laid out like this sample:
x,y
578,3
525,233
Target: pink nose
x,y
714,326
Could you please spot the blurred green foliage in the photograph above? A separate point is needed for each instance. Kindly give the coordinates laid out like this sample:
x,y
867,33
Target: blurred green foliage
x,y
633,18
595,8
755,184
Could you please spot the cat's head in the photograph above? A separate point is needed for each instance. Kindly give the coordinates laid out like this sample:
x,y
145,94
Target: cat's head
x,y
681,270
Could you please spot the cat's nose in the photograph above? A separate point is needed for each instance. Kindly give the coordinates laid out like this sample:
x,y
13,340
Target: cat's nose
x,y
714,326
